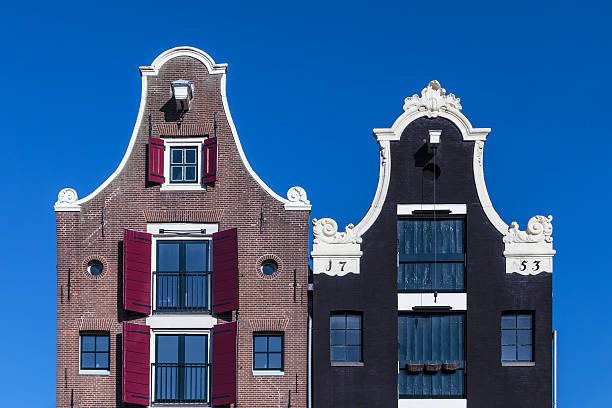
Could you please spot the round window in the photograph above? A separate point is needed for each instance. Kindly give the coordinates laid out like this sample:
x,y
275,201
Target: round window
x,y
95,267
431,171
269,267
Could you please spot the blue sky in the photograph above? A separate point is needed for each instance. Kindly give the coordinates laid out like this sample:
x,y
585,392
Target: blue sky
x,y
306,85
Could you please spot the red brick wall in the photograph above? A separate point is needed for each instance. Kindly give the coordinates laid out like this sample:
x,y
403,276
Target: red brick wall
x,y
235,200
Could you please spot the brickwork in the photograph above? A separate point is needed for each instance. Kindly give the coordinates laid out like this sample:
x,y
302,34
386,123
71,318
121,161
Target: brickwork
x,y
235,200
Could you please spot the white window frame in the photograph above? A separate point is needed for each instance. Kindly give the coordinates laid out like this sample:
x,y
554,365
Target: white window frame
x,y
154,333
196,142
94,372
174,319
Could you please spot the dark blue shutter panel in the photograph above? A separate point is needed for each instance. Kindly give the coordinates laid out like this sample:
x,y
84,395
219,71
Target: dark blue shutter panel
x,y
224,364
225,271
137,271
156,160
135,363
209,160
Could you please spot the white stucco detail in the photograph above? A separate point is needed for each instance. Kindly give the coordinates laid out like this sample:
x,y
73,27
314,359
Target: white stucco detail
x,y
432,403
177,321
152,70
406,301
455,209
297,200
530,252
67,200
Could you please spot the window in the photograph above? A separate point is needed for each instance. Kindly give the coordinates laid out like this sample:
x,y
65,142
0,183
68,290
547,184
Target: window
x,y
182,275
94,351
268,351
431,255
517,337
184,165
431,355
345,337
269,267
181,369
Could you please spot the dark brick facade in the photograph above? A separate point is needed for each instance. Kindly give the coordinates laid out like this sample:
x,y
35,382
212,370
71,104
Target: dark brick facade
x,y
129,202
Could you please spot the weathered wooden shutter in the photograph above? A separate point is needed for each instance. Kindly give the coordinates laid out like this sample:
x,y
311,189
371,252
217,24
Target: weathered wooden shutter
x,y
224,364
225,271
156,160
209,160
137,271
135,364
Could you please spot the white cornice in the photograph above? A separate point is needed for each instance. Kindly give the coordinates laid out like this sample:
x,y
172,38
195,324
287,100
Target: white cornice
x,y
213,68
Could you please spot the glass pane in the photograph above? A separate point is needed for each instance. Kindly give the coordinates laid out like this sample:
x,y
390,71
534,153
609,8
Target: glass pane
x,y
168,256
508,353
260,343
524,353
196,256
177,173
88,360
177,156
167,349
337,337
88,343
353,322
275,344
338,353
524,321
102,361
509,337
508,321
354,353
275,361
102,343
524,337
190,156
337,321
190,173
353,337
260,361
195,349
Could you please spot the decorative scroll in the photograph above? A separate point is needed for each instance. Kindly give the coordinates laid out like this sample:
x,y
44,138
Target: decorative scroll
x,y
433,99
325,230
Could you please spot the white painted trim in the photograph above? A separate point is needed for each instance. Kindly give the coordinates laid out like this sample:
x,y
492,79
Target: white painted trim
x,y
94,372
432,403
455,209
152,344
261,373
154,227
181,321
146,71
182,142
406,301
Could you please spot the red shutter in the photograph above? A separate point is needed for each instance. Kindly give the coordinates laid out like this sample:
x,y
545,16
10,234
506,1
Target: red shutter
x,y
135,365
209,160
225,271
137,271
156,160
224,364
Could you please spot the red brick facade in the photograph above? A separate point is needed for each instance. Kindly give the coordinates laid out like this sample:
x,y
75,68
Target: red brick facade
x,y
237,199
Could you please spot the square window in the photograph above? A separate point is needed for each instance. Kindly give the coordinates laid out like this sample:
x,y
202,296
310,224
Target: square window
x,y
268,351
184,165
345,337
95,351
517,337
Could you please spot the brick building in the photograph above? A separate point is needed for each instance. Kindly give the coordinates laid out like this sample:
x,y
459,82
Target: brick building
x,y
182,279
432,300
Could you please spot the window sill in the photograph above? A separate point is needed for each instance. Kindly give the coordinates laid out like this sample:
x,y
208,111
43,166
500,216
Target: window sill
x,y
94,372
258,373
347,364
182,187
518,364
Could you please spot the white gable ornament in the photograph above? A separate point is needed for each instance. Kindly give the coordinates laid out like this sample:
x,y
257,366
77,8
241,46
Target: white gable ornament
x,y
335,253
530,252
433,99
